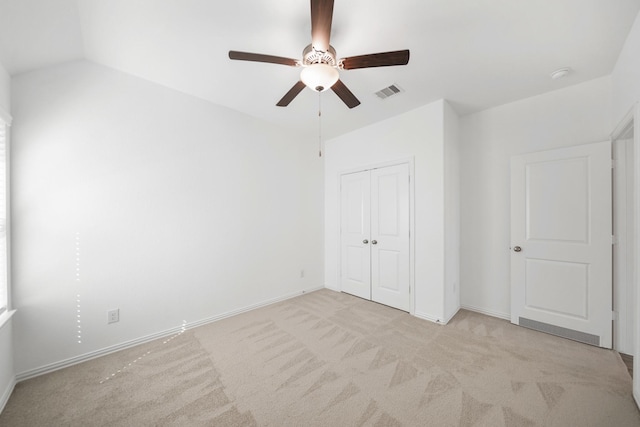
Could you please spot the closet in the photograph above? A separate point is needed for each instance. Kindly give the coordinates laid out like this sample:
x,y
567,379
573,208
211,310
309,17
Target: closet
x,y
374,235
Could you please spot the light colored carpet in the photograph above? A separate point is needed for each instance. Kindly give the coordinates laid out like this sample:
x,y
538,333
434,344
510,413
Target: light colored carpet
x,y
329,359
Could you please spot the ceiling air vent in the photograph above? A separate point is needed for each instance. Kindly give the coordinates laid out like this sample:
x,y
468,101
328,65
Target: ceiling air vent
x,y
388,91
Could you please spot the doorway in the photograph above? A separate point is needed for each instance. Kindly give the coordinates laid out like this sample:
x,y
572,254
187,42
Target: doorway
x,y
627,135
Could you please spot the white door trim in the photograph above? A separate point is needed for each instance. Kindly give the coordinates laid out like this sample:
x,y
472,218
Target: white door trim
x,y
634,116
410,161
623,248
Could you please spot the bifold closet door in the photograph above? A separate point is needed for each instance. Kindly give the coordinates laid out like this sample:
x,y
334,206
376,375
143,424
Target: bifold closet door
x,y
375,235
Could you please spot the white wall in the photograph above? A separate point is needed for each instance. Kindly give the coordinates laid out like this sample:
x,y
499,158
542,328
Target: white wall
x,y
5,91
626,75
418,134
452,211
575,115
180,211
7,372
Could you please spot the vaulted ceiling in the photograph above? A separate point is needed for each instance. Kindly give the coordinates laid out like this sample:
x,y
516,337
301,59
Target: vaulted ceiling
x,y
475,53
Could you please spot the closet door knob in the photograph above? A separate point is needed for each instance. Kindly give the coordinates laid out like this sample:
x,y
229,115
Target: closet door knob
x,y
365,241
374,242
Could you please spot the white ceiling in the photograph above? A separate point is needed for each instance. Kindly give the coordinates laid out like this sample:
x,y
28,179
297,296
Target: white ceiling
x,y
474,53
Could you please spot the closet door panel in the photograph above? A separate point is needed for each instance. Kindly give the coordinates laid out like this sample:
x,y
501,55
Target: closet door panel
x,y
390,281
355,271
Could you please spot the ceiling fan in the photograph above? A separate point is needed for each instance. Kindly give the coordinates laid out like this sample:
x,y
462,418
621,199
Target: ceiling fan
x,y
320,66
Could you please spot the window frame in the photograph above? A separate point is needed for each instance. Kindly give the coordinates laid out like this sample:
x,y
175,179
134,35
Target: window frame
x,y
5,303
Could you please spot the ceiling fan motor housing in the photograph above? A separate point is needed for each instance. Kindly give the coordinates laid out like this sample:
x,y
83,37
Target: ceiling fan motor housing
x,y
312,56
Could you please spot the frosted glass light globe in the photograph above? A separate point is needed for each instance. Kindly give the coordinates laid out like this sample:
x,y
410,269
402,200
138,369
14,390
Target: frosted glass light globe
x,y
319,77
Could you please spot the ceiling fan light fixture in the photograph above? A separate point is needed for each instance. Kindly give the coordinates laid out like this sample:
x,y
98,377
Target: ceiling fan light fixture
x,y
319,77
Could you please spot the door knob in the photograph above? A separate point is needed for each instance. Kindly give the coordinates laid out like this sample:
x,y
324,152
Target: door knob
x,y
365,241
374,242
517,249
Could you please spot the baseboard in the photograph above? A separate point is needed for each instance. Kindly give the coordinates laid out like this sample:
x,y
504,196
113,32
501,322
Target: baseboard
x,y
132,343
636,397
439,321
331,288
452,316
245,309
425,316
7,394
492,313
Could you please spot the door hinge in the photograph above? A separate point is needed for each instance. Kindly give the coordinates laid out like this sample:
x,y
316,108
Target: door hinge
x,y
614,316
613,164
614,240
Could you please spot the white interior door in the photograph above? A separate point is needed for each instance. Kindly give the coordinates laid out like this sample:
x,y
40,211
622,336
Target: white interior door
x,y
374,241
561,251
390,236
355,271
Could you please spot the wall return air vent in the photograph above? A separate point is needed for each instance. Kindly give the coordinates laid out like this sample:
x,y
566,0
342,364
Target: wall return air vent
x,y
385,93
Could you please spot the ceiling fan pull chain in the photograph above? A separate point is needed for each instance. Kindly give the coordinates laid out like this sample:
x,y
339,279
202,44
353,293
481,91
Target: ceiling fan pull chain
x,y
319,124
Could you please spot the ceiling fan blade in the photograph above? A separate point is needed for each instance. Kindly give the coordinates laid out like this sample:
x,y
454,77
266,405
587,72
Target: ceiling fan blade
x,y
293,92
384,59
258,57
321,17
345,94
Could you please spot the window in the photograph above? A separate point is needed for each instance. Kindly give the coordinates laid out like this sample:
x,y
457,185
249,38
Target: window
x,y
4,282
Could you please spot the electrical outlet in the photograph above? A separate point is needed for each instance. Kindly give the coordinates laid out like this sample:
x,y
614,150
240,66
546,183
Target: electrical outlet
x,y
113,316
301,274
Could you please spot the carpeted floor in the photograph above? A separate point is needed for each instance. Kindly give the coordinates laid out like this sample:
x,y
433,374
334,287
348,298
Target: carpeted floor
x,y
329,359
